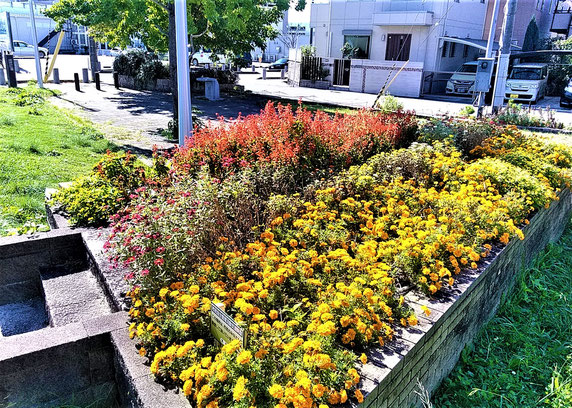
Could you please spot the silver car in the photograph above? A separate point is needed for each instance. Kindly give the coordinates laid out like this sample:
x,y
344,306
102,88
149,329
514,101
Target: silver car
x,y
23,49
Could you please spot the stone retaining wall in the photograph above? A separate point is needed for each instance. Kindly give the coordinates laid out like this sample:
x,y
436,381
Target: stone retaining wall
x,y
426,353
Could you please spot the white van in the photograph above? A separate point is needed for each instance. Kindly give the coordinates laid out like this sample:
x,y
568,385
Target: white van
x,y
462,82
527,82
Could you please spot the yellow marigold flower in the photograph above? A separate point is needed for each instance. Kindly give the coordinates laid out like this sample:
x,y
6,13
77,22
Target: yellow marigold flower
x,y
222,374
239,391
206,390
244,357
185,327
276,391
426,310
273,314
412,320
318,390
359,396
188,387
163,292
363,358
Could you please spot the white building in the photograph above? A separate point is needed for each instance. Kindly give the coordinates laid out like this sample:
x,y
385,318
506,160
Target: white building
x,y
395,36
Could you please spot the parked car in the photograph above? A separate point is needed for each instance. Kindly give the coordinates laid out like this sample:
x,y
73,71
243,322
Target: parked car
x,y
279,64
242,61
204,56
23,49
566,97
462,82
527,82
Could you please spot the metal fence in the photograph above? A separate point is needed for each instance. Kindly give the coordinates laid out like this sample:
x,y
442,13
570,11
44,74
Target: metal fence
x,y
311,68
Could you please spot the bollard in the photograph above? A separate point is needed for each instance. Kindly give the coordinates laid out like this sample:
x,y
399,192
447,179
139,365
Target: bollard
x,y
56,75
84,73
116,80
2,79
282,73
76,81
263,73
253,69
97,82
16,65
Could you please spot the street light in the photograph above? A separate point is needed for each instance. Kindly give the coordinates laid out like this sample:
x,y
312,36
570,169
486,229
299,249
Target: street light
x,y
183,83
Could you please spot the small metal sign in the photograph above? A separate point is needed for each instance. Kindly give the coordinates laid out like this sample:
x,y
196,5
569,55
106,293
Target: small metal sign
x,y
224,328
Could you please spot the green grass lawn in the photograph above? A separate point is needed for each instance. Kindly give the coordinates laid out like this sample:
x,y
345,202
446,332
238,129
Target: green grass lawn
x,y
40,146
523,357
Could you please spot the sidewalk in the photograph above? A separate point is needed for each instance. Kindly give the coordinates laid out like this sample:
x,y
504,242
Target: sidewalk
x,y
275,87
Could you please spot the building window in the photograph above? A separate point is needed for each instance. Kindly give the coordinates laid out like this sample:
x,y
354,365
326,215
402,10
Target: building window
x,y
452,50
444,49
398,47
465,51
360,45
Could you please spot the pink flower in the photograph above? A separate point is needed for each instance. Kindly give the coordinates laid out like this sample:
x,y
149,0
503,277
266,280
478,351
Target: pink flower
x,y
145,272
159,261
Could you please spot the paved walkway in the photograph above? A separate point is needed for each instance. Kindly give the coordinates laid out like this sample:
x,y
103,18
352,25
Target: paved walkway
x,y
134,119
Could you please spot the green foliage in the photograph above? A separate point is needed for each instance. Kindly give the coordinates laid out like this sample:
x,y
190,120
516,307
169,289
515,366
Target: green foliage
x,y
90,200
507,177
389,104
434,130
93,199
468,134
467,111
520,358
349,51
308,50
235,27
145,67
514,114
532,37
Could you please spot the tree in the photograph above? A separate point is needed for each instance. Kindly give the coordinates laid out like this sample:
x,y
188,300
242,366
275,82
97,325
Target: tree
x,y
289,37
532,36
234,26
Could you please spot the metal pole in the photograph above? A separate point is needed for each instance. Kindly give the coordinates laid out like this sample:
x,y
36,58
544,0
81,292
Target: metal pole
x,y
504,57
489,52
36,52
183,82
56,52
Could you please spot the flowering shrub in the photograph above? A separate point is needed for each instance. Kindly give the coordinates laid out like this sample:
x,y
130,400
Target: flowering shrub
x,y
320,282
91,200
301,140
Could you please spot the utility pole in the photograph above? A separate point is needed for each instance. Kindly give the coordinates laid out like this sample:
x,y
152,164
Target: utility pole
x,y
35,38
489,52
504,57
183,81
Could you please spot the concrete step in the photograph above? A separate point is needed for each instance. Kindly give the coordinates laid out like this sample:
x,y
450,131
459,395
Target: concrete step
x,y
73,297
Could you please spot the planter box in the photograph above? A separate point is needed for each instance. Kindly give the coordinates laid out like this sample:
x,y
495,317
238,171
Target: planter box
x,y
161,85
314,84
426,352
429,351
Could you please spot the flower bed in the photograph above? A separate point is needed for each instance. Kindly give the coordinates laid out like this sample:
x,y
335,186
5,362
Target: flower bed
x,y
311,256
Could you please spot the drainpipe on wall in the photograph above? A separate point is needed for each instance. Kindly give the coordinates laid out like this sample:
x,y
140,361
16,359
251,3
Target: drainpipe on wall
x,y
330,30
